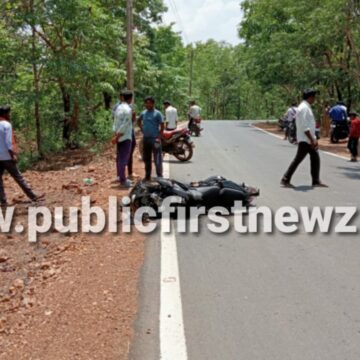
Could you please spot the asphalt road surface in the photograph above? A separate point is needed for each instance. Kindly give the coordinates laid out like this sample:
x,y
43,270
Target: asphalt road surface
x,y
260,297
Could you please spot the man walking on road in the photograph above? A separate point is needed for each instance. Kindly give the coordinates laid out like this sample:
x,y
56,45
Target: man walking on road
x,y
307,142
123,130
8,158
151,123
171,116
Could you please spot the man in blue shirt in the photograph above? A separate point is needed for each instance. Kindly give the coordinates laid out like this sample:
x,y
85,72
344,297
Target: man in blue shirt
x,y
151,123
338,113
8,158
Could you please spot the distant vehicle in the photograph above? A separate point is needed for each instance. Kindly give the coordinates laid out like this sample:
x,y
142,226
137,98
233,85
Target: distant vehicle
x,y
195,127
339,131
291,132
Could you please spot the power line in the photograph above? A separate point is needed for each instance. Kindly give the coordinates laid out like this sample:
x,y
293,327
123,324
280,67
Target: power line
x,y
179,20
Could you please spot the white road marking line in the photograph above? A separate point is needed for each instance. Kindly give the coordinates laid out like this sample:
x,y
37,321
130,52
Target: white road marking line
x,y
172,333
279,137
266,132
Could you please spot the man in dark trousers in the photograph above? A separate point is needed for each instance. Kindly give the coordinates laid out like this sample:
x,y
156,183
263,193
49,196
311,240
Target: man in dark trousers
x,y
307,142
353,143
8,158
151,123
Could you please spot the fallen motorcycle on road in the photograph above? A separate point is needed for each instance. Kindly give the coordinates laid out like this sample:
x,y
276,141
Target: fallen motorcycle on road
x,y
213,192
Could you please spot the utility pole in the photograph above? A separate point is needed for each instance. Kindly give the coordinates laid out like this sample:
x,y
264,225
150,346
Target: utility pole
x,y
129,40
191,70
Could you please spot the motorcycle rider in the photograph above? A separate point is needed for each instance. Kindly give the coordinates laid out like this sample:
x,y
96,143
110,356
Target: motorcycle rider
x,y
307,142
354,136
338,113
194,113
171,115
151,123
339,117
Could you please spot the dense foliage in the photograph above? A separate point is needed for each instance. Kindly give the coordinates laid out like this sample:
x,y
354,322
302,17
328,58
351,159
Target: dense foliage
x,y
63,63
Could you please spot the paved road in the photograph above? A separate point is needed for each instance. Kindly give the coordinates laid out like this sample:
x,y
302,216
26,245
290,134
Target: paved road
x,y
261,297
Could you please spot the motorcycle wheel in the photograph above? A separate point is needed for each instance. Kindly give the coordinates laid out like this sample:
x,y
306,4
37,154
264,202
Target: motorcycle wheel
x,y
334,139
184,151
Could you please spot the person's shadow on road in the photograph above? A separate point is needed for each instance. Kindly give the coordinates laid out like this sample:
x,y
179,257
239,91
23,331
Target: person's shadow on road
x,y
350,172
303,188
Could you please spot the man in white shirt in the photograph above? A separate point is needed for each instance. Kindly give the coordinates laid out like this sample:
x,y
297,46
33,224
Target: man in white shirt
x,y
123,129
307,142
8,158
194,112
171,116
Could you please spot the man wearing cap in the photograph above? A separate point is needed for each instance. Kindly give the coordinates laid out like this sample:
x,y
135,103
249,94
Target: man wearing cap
x,y
8,157
354,136
307,142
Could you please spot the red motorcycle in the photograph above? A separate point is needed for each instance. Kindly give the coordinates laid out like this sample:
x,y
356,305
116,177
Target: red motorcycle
x,y
178,143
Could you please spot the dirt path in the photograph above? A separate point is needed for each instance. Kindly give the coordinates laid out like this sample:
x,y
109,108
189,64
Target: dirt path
x,y
69,297
324,143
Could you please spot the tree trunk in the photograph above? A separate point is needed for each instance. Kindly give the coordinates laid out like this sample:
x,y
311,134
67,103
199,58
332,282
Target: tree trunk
x,y
107,100
67,108
36,82
37,105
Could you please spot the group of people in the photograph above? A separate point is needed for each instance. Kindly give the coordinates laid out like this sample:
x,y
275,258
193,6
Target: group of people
x,y
152,124
339,115
307,138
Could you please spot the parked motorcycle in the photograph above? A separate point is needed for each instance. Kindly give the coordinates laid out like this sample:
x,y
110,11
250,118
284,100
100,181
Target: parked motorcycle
x,y
291,132
339,131
178,143
215,191
282,124
195,127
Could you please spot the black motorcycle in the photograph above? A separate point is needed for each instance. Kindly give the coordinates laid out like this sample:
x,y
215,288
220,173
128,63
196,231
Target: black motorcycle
x,y
195,127
291,132
339,131
213,192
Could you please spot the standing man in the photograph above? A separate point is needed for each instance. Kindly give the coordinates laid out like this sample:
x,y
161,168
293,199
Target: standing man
x,y
354,136
307,142
194,113
171,116
131,174
122,138
8,158
151,123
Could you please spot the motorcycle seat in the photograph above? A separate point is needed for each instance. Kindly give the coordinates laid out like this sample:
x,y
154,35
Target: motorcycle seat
x,y
196,195
169,134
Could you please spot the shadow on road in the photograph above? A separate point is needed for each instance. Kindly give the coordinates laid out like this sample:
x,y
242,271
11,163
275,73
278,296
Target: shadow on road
x,y
303,188
177,162
350,172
